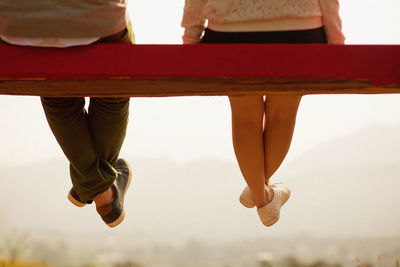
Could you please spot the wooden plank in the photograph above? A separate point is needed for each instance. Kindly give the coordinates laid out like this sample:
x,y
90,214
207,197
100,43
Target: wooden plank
x,y
173,70
158,87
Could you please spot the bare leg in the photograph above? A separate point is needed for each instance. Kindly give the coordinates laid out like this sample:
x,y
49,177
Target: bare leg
x,y
280,119
248,143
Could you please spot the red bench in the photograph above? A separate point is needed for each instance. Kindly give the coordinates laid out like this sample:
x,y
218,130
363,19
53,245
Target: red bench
x,y
172,70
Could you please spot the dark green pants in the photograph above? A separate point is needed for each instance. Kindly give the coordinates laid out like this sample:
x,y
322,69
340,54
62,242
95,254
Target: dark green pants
x,y
91,140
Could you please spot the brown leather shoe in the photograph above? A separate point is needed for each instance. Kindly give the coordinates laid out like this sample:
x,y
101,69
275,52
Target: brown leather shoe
x,y
113,213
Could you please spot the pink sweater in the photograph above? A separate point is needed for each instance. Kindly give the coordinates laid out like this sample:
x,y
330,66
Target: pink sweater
x,y
197,12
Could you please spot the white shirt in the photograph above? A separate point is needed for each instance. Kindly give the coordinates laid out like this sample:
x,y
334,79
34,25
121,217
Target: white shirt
x,y
48,42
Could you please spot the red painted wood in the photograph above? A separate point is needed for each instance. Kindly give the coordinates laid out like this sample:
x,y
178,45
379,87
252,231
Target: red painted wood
x,y
379,64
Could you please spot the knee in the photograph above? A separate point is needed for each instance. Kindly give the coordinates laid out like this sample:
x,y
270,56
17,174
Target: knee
x,y
110,104
62,105
281,115
247,120
111,100
281,109
247,111
61,101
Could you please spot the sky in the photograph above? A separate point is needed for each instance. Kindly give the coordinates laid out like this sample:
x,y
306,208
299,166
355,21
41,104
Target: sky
x,y
189,128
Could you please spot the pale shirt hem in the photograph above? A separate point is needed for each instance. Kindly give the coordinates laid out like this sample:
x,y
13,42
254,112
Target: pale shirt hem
x,y
48,42
284,24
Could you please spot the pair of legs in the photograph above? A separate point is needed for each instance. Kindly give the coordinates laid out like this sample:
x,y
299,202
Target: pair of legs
x,y
91,140
262,130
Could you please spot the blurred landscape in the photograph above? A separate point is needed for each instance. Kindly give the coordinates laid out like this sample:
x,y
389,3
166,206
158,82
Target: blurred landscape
x,y
344,208
344,211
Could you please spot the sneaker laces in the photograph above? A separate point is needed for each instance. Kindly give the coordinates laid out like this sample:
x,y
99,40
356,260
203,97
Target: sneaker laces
x,y
274,184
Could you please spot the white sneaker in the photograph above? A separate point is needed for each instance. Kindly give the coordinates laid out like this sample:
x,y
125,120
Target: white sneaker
x,y
246,199
269,214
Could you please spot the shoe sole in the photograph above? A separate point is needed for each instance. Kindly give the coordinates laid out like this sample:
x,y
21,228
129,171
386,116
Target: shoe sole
x,y
75,202
272,222
117,221
122,216
245,203
276,218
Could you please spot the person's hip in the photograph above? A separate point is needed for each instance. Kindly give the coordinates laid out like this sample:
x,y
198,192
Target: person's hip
x,y
316,35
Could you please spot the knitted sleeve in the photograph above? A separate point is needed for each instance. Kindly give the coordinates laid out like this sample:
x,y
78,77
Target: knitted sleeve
x,y
193,21
332,21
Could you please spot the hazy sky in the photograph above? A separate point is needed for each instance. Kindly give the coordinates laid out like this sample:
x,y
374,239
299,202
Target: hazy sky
x,y
187,128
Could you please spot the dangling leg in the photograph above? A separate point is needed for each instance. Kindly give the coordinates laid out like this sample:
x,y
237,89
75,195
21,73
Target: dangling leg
x,y
280,119
108,121
68,121
247,136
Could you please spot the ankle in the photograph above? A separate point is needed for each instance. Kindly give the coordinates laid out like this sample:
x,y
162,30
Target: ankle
x,y
104,198
269,194
261,202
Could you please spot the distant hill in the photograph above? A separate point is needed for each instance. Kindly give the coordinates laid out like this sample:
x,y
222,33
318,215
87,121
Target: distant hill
x,y
349,186
346,187
375,145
